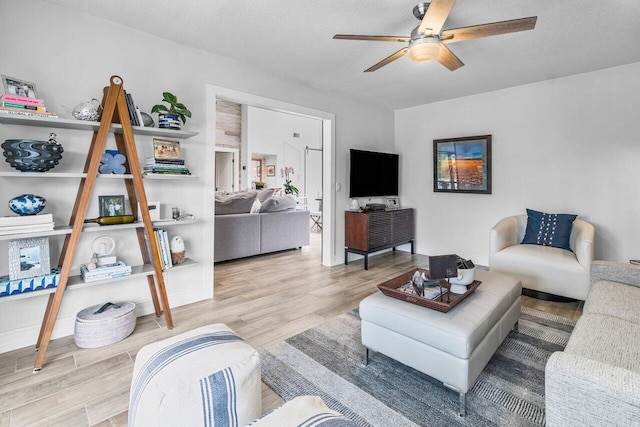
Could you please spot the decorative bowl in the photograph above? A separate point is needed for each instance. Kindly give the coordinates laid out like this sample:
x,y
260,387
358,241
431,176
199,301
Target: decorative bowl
x,y
28,155
27,204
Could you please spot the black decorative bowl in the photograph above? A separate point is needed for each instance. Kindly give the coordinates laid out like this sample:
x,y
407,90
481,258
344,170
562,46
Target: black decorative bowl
x,y
28,155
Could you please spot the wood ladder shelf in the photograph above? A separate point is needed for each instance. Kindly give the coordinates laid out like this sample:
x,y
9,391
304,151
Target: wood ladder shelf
x,y
114,111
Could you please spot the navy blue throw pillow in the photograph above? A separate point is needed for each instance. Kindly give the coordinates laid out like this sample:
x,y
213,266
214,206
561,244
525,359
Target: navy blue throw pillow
x,y
548,229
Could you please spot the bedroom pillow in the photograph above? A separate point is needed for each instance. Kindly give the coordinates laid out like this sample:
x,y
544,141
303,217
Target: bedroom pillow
x,y
547,229
278,204
235,203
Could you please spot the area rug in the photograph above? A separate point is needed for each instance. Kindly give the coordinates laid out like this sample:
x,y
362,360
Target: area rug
x,y
328,361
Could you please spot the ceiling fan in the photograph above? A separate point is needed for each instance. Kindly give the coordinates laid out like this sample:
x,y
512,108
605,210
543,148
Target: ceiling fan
x,y
428,41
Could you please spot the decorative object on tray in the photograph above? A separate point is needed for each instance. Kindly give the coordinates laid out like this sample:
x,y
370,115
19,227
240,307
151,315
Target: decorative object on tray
x,y
87,110
111,205
29,258
19,286
401,287
29,155
462,165
168,116
26,224
104,324
112,162
177,250
466,274
111,220
355,206
175,212
27,204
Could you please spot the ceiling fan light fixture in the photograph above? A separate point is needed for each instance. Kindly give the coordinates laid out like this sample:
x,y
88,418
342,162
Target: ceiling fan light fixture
x,y
424,49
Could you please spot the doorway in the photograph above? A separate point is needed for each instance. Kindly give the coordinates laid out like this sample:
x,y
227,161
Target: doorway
x,y
226,178
329,251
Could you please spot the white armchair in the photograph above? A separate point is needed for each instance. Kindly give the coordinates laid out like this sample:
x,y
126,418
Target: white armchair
x,y
543,268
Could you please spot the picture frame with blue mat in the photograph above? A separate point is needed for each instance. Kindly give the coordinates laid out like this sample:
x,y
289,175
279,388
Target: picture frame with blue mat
x,y
29,258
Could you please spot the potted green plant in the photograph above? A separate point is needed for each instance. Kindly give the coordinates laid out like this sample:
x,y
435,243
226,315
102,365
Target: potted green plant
x,y
168,116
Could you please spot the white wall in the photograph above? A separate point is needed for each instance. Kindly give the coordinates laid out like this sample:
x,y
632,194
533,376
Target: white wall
x,y
567,145
71,57
271,133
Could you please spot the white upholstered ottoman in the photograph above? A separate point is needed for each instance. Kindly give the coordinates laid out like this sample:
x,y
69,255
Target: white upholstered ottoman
x,y
207,376
451,347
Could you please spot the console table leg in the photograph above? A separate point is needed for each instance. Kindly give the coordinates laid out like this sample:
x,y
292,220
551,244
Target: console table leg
x,y
413,247
366,261
346,256
462,410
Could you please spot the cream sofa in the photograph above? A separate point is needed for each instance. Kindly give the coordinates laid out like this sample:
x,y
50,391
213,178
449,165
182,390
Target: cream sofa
x,y
595,381
543,268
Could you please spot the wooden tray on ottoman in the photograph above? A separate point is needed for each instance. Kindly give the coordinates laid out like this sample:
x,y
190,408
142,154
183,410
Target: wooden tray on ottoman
x,y
390,289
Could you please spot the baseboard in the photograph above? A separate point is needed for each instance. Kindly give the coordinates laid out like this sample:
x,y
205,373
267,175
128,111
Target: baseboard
x,y
27,337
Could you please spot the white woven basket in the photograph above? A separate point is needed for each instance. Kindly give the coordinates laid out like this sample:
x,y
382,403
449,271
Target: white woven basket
x,y
101,325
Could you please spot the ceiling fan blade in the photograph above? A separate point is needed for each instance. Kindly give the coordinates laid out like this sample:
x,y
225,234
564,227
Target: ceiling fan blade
x,y
433,20
485,30
449,59
372,38
387,60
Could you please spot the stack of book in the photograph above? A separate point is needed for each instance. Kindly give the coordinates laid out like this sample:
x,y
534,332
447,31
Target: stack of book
x,y
165,166
23,105
109,271
19,286
166,159
25,224
162,244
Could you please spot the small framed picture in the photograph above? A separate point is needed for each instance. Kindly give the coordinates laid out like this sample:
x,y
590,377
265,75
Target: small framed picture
x,y
393,203
111,205
154,211
271,170
166,149
19,87
29,258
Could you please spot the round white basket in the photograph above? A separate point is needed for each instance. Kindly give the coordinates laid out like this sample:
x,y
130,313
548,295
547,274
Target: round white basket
x,y
104,324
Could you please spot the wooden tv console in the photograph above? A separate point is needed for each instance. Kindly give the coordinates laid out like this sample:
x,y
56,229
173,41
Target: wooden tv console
x,y
373,231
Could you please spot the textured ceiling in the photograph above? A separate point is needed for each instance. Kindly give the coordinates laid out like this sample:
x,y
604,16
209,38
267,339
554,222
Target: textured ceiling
x,y
293,39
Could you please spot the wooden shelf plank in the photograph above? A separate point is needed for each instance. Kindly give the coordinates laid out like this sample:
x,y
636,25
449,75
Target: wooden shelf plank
x,y
47,175
76,282
87,125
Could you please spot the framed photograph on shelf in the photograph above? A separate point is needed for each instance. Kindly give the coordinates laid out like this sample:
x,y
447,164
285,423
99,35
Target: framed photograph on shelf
x,y
271,170
462,165
111,205
393,203
166,149
19,87
29,258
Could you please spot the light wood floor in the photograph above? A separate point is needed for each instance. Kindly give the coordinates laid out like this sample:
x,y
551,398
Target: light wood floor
x,y
264,299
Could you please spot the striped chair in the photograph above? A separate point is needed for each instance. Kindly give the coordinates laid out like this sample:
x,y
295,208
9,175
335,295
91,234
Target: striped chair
x,y
205,377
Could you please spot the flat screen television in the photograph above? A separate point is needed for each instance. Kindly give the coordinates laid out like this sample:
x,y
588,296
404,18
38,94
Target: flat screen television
x,y
373,174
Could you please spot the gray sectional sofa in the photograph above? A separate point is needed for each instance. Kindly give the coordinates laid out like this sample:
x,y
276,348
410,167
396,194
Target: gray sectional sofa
x,y
595,381
246,226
